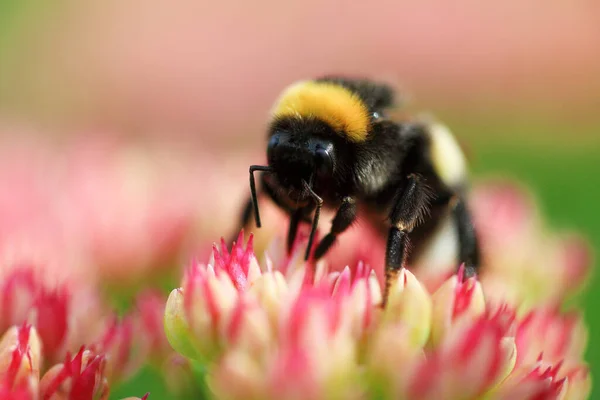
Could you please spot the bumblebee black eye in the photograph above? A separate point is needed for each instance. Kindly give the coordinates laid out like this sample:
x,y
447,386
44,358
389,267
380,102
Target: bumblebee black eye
x,y
273,143
324,161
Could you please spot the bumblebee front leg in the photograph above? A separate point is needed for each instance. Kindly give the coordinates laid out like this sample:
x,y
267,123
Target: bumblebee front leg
x,y
344,217
468,246
296,216
410,206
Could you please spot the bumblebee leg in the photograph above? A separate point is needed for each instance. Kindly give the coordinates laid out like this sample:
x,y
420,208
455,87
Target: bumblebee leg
x,y
251,205
344,217
245,220
410,206
315,222
296,216
253,196
468,246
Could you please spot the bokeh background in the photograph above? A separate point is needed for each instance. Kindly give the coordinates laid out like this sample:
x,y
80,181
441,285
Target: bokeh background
x,y
185,88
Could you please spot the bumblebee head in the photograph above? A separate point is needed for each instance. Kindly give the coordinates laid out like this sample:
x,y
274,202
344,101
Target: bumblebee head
x,y
297,153
311,120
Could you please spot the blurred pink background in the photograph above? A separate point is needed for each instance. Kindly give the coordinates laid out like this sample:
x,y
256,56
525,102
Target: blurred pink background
x,y
210,70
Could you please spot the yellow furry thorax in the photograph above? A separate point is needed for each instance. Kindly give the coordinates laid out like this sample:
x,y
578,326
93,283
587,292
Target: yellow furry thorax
x,y
337,106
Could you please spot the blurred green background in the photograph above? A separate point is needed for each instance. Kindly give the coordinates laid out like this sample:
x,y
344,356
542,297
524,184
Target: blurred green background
x,y
516,81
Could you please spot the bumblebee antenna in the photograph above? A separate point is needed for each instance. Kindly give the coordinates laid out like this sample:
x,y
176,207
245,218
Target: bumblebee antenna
x,y
315,222
253,190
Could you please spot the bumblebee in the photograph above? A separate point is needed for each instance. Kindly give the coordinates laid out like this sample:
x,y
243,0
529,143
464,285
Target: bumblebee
x,y
332,143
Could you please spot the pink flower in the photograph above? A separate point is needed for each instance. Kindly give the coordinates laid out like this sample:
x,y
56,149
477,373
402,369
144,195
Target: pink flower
x,y
117,347
524,263
454,300
45,321
538,383
238,313
26,298
137,338
20,360
542,380
23,376
253,327
80,377
468,362
560,337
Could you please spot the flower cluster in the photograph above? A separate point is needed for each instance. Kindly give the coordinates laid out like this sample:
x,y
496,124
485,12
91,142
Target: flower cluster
x,y
61,343
293,330
79,376
102,214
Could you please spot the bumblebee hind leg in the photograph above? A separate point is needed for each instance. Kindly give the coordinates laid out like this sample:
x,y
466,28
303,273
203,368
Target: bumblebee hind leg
x,y
468,245
410,206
